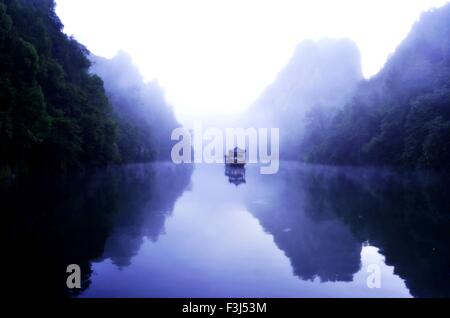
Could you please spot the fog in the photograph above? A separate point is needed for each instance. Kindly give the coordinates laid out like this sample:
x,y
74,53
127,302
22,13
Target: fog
x,y
217,57
144,118
331,182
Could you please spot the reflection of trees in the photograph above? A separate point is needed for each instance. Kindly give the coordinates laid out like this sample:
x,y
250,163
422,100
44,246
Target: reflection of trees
x,y
305,229
54,222
147,198
406,216
319,216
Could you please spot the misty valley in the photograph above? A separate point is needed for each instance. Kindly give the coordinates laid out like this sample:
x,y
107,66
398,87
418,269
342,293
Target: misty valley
x,y
331,185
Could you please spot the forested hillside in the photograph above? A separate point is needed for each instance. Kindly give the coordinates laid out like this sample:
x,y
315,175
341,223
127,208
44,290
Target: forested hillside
x,y
54,114
144,120
399,117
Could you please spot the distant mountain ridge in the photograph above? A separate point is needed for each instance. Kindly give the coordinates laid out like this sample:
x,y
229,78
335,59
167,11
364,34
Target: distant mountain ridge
x,y
399,117
320,74
327,113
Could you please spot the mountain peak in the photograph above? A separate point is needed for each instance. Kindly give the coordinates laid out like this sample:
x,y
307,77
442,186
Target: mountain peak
x,y
322,73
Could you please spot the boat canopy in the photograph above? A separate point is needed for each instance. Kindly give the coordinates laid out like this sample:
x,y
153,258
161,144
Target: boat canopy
x,y
236,156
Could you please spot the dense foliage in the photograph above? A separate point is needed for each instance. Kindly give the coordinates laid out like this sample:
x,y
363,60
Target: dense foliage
x,y
84,218
399,117
145,121
53,114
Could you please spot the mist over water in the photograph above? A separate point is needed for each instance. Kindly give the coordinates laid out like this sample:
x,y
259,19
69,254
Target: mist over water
x,y
217,57
165,231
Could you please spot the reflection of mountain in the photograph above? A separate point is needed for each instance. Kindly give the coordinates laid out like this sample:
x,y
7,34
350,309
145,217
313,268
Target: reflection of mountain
x,y
54,222
316,242
320,216
147,199
407,217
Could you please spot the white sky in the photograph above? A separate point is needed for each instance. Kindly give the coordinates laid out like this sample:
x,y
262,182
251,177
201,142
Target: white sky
x,y
214,57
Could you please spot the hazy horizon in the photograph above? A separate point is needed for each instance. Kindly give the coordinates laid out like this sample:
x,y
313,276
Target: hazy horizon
x,y
215,58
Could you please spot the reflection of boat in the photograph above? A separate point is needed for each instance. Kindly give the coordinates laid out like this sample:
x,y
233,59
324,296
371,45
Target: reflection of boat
x,y
236,157
235,174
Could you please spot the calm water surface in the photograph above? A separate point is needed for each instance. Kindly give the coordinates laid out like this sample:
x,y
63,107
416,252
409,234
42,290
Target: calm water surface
x,y
160,230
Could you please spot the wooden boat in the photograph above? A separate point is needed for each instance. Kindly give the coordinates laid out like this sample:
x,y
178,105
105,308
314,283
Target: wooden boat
x,y
236,158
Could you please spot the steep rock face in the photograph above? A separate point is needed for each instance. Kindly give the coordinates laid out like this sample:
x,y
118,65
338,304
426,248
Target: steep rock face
x,y
320,75
402,115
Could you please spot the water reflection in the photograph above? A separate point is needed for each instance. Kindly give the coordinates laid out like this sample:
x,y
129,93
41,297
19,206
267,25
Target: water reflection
x,y
294,211
406,215
162,230
320,217
56,221
235,174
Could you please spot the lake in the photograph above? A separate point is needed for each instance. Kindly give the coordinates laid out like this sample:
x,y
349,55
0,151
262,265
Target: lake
x,y
161,230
